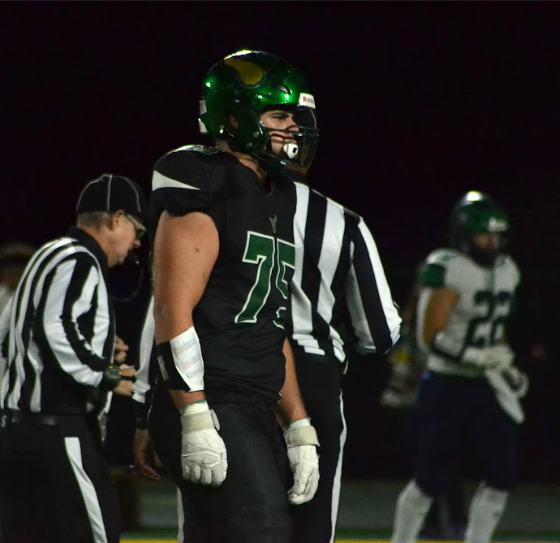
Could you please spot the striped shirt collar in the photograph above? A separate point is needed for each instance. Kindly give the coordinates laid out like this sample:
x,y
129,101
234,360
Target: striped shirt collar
x,y
90,243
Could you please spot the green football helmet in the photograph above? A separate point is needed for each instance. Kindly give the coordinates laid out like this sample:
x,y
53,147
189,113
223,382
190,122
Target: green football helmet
x,y
239,88
477,213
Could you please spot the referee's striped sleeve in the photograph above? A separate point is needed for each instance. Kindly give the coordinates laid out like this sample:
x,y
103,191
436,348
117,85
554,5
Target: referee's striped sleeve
x,y
71,295
373,314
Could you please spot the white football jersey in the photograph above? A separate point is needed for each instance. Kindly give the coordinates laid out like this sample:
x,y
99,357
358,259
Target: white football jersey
x,y
478,319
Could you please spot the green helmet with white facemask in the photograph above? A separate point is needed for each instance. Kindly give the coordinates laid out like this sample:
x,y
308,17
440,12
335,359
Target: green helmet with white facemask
x,y
239,88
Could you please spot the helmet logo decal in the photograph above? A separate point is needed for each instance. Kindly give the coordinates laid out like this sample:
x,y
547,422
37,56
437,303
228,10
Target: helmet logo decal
x,y
250,73
306,100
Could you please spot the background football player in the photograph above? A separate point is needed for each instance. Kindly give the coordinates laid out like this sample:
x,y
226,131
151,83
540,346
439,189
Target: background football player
x,y
471,389
446,518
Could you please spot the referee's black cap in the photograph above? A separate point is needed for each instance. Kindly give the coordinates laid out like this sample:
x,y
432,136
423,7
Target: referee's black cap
x,y
111,193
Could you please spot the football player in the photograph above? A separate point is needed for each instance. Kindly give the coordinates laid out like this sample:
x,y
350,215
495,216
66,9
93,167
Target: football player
x,y
223,257
446,518
471,389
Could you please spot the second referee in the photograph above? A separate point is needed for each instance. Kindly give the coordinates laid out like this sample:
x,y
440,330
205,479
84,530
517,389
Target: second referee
x,y
58,342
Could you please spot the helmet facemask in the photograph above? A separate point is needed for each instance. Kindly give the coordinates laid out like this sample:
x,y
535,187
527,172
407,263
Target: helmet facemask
x,y
301,140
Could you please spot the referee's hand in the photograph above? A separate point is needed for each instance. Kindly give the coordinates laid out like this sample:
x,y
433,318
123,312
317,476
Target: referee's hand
x,y
121,349
124,388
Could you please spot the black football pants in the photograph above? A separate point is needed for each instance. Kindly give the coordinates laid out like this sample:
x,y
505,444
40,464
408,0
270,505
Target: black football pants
x,y
454,412
56,487
319,379
251,506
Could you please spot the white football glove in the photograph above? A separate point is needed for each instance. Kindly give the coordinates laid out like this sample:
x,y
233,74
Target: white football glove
x,y
301,440
499,357
203,452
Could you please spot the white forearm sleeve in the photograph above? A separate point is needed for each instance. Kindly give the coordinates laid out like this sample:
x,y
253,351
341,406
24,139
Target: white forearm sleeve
x,y
187,356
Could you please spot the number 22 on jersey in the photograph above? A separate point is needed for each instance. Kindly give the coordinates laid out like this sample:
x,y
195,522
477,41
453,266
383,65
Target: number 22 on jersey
x,y
488,329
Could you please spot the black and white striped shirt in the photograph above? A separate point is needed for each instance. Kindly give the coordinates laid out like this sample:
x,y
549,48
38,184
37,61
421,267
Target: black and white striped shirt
x,y
338,277
61,329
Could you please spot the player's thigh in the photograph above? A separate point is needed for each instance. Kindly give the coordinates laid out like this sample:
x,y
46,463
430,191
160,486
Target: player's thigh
x,y
254,492
440,422
441,414
254,456
494,438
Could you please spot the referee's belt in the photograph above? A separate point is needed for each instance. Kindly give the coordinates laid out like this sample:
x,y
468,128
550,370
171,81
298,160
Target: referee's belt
x,y
21,417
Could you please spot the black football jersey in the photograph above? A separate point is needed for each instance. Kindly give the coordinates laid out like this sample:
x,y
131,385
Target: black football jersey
x,y
240,317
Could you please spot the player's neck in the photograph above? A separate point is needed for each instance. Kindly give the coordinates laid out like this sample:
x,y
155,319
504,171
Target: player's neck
x,y
247,160
253,164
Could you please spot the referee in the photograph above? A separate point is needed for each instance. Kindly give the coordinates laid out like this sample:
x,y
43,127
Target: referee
x,y
60,346
338,279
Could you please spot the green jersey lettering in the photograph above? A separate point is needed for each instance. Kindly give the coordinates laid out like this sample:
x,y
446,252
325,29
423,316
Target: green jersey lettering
x,y
270,255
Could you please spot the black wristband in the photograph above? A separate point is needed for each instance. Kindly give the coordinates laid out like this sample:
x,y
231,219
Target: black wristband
x,y
172,379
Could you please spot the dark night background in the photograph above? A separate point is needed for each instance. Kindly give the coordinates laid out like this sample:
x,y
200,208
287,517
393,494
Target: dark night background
x,y
417,103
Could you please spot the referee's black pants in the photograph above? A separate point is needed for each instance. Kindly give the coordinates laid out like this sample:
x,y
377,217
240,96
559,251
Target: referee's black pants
x,y
56,486
251,505
319,379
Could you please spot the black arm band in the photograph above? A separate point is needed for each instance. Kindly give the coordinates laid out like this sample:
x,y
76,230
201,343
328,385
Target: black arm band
x,y
171,378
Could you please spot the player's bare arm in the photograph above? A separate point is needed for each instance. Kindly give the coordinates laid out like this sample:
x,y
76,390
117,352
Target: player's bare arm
x,y
438,311
185,251
299,434
291,407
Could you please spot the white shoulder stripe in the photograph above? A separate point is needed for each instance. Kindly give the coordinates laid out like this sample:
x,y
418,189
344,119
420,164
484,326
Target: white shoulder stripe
x,y
160,181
